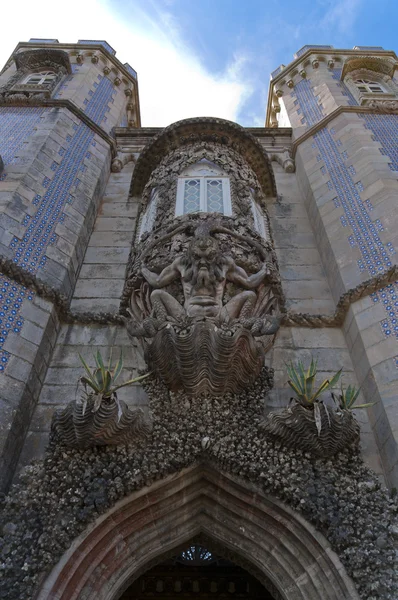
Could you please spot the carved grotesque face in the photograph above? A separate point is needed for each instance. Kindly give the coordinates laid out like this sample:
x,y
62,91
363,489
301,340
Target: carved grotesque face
x,y
204,249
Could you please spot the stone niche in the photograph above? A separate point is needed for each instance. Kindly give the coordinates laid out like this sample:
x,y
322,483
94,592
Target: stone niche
x,y
202,288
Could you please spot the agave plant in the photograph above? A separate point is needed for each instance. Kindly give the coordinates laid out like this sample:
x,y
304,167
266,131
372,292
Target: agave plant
x,y
302,382
347,398
100,383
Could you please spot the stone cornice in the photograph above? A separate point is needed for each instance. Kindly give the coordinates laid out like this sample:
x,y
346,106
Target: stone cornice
x,y
78,48
390,108
61,103
340,54
203,129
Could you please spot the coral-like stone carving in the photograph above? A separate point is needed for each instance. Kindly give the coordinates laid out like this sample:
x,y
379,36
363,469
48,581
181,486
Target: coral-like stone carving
x,y
214,321
295,427
80,425
206,358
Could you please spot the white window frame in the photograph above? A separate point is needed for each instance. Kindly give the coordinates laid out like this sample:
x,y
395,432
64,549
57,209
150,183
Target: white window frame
x,y
43,75
369,85
148,218
260,220
226,194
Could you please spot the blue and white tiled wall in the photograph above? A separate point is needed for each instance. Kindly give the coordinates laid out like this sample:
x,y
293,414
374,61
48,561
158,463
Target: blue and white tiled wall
x,y
362,231
16,126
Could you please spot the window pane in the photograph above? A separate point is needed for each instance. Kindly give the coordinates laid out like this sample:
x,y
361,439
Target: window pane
x,y
214,195
191,196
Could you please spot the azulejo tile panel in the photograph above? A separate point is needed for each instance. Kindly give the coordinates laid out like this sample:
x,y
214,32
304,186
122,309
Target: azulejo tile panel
x,y
308,104
366,233
336,74
16,126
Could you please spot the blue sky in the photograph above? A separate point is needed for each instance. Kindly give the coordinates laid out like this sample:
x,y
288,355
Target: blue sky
x,y
208,57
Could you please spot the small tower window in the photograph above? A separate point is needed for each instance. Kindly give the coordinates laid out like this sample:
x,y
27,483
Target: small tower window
x,y
148,218
42,78
260,221
203,188
369,87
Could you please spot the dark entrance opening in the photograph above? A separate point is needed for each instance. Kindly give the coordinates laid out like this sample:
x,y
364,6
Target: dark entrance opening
x,y
198,573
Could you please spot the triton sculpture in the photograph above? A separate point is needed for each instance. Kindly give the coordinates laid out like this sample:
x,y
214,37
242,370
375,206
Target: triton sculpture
x,y
208,332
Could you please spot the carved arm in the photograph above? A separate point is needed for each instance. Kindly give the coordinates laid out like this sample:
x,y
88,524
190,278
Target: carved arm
x,y
169,274
250,282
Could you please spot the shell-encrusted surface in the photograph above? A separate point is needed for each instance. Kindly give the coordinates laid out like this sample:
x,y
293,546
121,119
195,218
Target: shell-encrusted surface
x,y
77,427
203,358
295,427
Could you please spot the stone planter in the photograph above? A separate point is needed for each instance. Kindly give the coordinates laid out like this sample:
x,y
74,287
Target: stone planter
x,y
295,427
112,424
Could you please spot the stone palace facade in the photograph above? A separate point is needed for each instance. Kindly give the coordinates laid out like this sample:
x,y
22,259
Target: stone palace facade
x,y
205,262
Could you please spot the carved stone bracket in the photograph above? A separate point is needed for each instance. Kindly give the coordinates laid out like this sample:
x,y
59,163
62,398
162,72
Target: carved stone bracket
x,y
121,159
285,160
388,107
207,322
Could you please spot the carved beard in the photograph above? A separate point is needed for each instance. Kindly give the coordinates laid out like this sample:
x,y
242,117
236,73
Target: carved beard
x,y
213,275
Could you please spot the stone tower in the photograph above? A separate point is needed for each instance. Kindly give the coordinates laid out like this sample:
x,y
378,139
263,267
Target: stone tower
x,y
342,107
203,259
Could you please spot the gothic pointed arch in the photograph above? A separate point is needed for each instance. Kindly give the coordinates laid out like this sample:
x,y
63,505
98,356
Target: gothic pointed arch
x,y
256,531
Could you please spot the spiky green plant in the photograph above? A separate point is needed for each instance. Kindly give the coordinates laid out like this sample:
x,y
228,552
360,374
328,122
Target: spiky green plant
x,y
100,383
302,382
347,398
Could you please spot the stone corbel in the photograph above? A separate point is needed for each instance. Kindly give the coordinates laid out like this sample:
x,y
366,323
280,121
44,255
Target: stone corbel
x,y
130,115
279,93
79,58
128,92
95,59
121,159
285,159
303,73
315,63
290,83
106,70
117,81
331,63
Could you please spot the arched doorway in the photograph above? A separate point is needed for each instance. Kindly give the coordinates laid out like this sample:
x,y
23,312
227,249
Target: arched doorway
x,y
197,573
256,532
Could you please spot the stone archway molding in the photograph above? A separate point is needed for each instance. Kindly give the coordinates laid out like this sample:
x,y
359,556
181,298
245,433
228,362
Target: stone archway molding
x,y
267,538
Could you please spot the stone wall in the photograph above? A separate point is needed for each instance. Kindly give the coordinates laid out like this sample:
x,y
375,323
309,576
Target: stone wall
x,y
56,163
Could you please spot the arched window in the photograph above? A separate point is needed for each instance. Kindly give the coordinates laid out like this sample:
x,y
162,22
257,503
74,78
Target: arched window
x,y
148,218
369,87
203,187
260,220
42,78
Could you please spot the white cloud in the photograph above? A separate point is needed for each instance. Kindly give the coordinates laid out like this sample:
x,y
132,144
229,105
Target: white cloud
x,y
341,15
173,83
